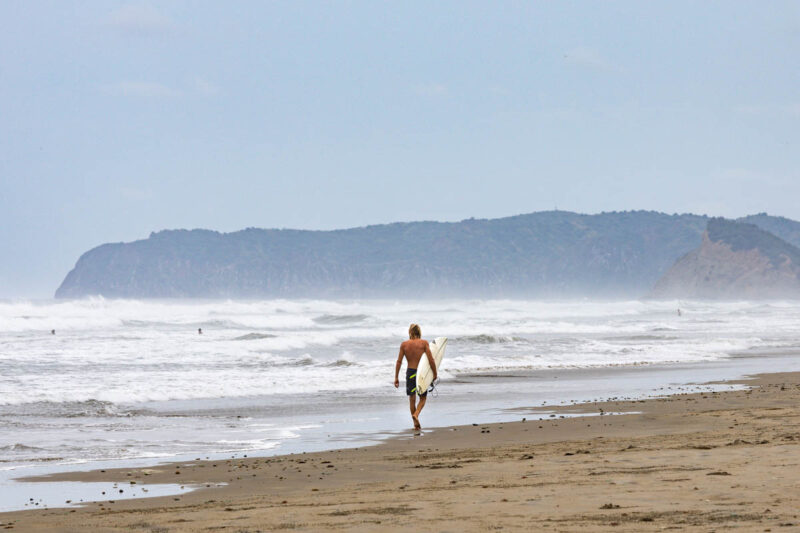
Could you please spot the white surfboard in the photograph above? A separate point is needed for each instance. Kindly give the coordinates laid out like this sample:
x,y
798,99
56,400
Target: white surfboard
x,y
424,370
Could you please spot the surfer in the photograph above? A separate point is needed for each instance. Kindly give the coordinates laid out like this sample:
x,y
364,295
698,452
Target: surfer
x,y
412,350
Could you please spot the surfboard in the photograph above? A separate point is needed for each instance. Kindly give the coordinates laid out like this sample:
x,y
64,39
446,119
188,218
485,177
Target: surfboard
x,y
424,370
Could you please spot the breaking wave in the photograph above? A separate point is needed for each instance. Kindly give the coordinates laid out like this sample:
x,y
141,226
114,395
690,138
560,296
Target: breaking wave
x,y
340,319
254,336
67,409
17,447
341,363
490,339
635,338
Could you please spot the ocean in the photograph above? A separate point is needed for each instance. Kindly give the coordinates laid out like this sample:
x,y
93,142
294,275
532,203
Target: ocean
x,y
135,380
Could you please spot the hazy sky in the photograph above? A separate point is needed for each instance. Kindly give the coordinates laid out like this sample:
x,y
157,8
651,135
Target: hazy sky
x,y
117,119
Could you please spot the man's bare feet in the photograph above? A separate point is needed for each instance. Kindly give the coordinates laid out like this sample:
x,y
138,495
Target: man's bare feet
x,y
416,422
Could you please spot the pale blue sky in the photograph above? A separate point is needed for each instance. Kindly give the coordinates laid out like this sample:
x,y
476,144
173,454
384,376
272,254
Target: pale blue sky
x,y
117,119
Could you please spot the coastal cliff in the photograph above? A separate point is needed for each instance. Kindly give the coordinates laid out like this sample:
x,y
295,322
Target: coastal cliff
x,y
734,260
546,254
549,254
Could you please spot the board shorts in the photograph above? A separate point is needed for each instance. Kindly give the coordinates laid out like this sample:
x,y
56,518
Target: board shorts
x,y
411,382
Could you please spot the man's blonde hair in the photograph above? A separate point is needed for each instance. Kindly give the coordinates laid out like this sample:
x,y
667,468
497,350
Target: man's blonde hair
x,y
414,331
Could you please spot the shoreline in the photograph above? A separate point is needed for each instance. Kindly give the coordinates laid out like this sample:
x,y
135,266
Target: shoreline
x,y
664,466
374,423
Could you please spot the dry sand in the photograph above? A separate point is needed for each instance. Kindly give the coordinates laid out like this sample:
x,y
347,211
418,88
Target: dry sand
x,y
700,462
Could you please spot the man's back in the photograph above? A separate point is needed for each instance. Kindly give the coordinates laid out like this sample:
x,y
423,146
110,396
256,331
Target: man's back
x,y
414,349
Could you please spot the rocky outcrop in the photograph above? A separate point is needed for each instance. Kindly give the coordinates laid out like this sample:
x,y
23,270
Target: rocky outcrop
x,y
735,260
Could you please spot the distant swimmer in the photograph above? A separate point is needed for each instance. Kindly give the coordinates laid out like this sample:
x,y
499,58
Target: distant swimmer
x,y
52,332
413,350
199,331
679,313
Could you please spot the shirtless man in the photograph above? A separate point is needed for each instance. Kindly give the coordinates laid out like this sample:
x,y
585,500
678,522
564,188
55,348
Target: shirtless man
x,y
412,350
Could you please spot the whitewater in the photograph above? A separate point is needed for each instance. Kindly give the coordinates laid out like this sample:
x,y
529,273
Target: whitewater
x,y
130,379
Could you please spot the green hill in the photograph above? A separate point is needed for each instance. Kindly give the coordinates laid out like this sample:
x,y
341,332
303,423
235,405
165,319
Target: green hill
x,y
545,254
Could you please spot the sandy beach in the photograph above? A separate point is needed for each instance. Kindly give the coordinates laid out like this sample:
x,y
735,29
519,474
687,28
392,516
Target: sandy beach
x,y
701,462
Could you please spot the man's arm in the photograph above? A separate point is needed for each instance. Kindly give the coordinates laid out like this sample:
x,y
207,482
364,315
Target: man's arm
x,y
397,367
431,361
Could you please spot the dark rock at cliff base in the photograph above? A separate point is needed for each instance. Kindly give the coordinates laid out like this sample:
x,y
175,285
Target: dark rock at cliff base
x,y
735,260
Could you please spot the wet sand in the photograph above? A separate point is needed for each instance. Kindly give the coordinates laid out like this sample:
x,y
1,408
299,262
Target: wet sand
x,y
694,462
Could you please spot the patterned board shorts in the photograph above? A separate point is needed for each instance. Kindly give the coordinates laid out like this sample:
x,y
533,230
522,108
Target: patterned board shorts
x,y
411,382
